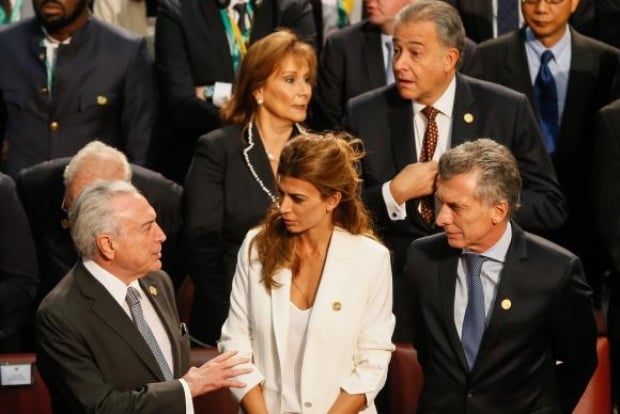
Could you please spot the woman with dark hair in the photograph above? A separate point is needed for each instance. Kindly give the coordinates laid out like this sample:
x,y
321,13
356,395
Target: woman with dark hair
x,y
311,300
231,183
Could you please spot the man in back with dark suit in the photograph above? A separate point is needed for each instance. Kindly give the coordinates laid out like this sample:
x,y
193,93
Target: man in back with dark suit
x,y
49,188
72,79
108,335
502,320
402,144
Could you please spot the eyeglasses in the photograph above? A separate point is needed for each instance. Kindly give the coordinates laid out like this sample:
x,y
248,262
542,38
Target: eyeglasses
x,y
538,1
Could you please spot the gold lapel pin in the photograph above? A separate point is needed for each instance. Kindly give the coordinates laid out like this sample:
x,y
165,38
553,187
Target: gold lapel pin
x,y
336,306
506,304
469,118
153,290
102,100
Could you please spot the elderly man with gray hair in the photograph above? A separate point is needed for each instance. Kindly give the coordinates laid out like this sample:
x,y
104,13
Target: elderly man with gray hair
x,y
48,190
503,320
109,336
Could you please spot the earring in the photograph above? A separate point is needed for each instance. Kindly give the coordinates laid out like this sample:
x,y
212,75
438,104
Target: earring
x,y
259,100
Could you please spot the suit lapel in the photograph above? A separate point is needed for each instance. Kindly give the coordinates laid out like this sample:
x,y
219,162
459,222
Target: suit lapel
x,y
579,80
259,161
337,262
154,291
510,281
465,114
400,122
447,285
107,309
280,303
516,66
373,56
215,28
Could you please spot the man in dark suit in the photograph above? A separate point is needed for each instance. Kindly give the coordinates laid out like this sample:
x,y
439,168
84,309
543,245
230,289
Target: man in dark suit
x,y
607,202
583,70
399,174
18,268
197,52
503,320
45,194
355,60
72,79
108,335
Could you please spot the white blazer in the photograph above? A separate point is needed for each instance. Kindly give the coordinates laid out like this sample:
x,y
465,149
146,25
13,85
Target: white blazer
x,y
348,343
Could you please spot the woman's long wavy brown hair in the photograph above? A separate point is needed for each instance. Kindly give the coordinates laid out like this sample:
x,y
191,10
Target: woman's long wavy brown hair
x,y
330,163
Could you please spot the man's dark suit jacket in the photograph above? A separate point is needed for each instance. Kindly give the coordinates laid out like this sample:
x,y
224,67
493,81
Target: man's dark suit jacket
x,y
222,201
384,122
41,190
593,67
351,64
192,49
550,318
18,267
103,89
93,358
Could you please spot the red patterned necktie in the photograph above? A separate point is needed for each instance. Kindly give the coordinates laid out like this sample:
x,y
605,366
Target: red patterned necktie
x,y
427,204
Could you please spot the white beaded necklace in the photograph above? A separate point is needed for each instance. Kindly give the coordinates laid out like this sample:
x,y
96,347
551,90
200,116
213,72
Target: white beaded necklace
x,y
247,149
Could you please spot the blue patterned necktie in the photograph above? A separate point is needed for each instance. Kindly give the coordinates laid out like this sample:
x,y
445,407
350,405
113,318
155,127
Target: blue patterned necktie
x,y
474,320
507,16
546,96
133,300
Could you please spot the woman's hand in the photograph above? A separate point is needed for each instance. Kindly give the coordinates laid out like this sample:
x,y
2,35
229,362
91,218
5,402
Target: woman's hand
x,y
348,404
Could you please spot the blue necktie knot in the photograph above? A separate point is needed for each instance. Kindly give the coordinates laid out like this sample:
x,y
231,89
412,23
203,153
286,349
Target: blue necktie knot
x,y
546,57
545,72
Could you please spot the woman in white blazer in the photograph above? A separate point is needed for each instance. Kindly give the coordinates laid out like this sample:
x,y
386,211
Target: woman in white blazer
x,y
311,301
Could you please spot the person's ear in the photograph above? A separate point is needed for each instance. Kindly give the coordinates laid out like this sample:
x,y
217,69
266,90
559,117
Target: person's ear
x,y
105,244
452,58
500,212
333,201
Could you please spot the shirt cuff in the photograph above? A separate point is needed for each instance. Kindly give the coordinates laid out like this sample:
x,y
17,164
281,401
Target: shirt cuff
x,y
189,402
395,211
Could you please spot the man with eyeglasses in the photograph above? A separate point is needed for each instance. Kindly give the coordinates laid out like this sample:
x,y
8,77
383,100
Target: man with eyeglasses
x,y
567,78
487,19
47,191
